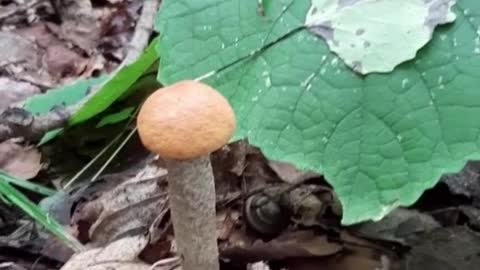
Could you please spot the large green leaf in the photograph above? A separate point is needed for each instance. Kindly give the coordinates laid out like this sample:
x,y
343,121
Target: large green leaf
x,y
380,140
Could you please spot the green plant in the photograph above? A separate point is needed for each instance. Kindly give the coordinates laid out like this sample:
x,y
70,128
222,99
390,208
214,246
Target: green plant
x,y
17,198
380,139
111,88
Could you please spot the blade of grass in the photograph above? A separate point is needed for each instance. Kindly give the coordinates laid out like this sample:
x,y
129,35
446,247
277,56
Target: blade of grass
x,y
26,184
22,202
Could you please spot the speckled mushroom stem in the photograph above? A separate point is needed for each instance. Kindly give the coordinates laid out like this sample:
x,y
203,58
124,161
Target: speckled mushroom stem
x,y
192,207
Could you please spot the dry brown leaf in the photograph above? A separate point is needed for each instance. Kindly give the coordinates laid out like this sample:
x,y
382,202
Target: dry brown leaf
x,y
130,207
289,173
19,49
309,203
40,57
357,254
227,219
119,255
288,245
238,164
454,248
21,161
134,217
13,91
79,23
340,262
62,62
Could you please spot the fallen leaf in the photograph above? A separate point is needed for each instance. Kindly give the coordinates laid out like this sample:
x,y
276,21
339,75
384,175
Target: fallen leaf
x,y
47,61
80,24
473,215
309,203
240,166
23,161
455,248
401,225
289,173
19,49
119,255
466,182
227,219
358,254
131,206
13,91
339,262
62,62
289,245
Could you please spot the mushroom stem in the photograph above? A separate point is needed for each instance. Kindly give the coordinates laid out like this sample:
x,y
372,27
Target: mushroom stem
x,y
192,207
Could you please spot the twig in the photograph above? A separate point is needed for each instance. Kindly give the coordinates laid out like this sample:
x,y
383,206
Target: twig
x,y
17,122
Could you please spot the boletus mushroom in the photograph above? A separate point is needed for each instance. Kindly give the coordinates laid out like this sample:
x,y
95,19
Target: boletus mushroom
x,y
183,123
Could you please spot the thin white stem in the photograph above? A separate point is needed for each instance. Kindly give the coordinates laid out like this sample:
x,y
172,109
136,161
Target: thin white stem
x,y
110,159
89,164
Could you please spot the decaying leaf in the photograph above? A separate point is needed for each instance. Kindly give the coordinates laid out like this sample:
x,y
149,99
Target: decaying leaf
x,y
289,173
79,23
377,35
466,182
227,220
455,248
38,56
13,91
401,225
119,255
289,245
19,160
309,203
19,49
130,207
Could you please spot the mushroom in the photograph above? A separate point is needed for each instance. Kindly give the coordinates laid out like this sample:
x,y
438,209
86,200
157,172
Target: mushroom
x,y
183,123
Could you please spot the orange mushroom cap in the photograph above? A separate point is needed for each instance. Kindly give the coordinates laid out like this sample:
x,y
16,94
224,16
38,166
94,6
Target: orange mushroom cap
x,y
185,120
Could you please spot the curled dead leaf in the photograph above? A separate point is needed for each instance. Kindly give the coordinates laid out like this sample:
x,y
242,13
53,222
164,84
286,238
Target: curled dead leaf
x,y
130,207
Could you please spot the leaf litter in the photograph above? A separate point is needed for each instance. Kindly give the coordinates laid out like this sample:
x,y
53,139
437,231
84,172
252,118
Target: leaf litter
x,y
20,159
130,210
